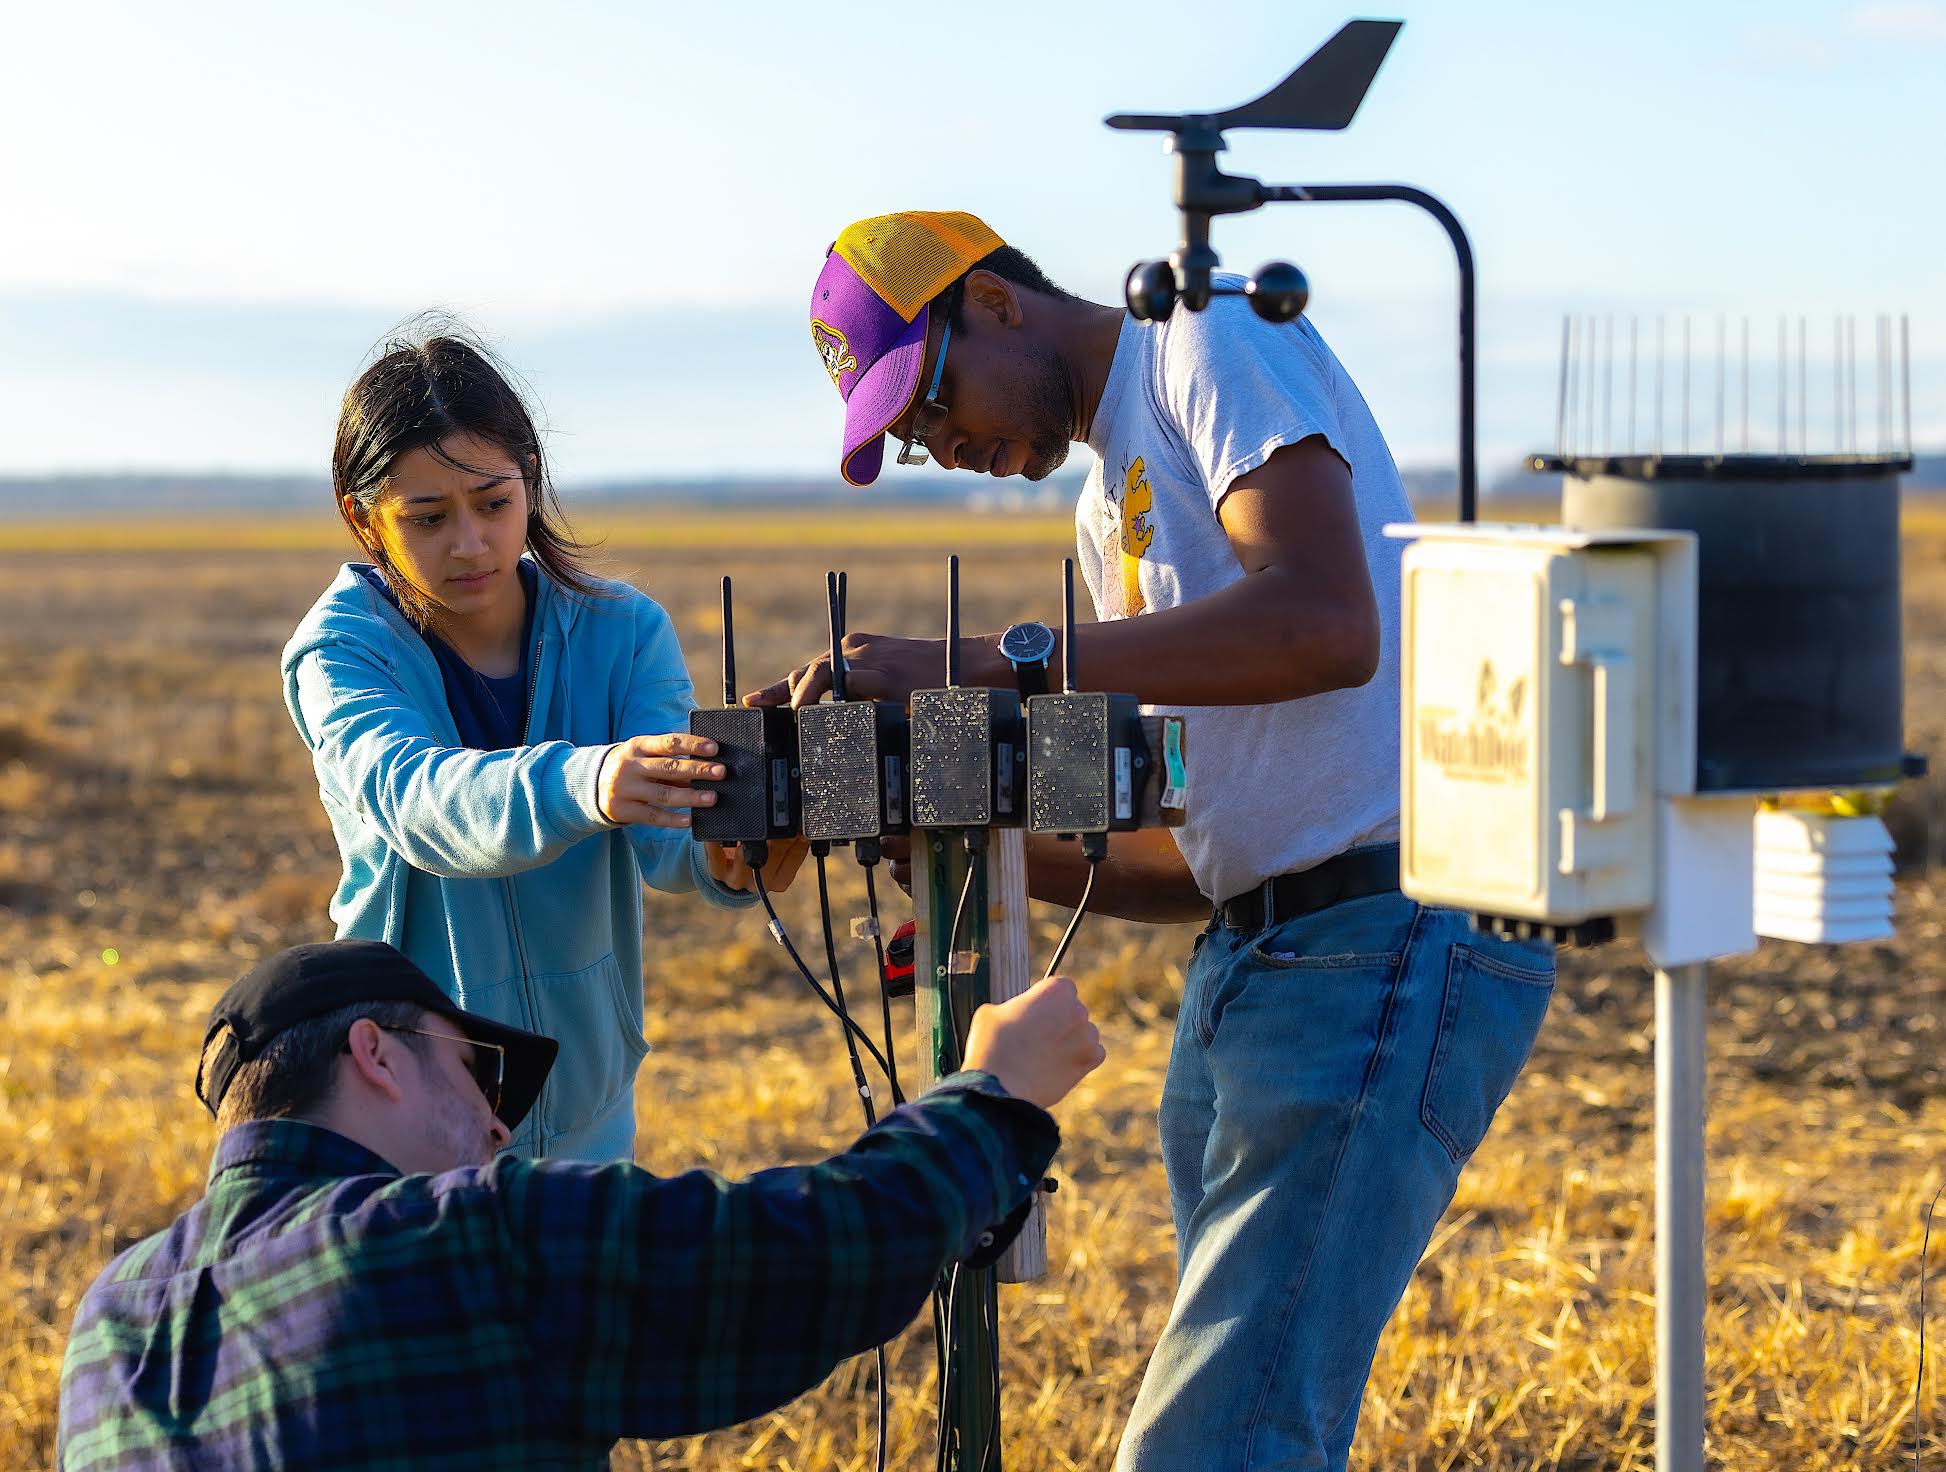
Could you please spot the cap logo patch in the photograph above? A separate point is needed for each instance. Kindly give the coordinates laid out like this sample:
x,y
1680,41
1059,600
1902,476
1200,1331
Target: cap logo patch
x,y
833,348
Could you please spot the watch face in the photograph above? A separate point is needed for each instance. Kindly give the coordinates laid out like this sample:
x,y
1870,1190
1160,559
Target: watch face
x,y
1027,643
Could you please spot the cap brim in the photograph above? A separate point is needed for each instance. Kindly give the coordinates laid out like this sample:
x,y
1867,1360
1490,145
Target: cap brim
x,y
884,392
530,1056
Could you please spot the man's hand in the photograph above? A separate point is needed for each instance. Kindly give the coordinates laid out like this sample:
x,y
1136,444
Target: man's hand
x,y
897,849
877,667
727,868
646,779
1039,1044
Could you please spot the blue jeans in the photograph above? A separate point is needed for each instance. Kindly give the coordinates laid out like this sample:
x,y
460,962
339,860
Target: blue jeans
x,y
1329,1078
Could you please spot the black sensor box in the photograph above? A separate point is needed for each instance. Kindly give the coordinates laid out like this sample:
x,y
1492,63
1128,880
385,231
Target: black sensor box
x,y
852,757
1087,763
969,759
758,800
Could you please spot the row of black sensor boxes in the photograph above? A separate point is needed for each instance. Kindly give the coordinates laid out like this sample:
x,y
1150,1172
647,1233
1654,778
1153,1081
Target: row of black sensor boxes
x,y
966,757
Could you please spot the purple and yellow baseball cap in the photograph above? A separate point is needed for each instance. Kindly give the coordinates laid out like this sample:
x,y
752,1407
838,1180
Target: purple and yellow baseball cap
x,y
868,317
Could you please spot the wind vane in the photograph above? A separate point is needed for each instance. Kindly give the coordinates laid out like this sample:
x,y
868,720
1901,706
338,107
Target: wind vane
x,y
1322,95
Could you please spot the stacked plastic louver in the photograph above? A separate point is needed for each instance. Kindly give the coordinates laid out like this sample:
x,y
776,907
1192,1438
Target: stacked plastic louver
x,y
1823,876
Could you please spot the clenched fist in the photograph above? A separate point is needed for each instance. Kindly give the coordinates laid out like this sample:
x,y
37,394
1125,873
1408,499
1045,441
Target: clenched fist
x,y
1039,1044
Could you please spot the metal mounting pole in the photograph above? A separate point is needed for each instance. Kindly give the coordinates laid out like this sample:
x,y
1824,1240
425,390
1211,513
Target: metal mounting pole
x,y
1679,1283
1469,472
991,964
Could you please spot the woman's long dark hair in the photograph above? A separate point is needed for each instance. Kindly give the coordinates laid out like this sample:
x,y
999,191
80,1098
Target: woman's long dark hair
x,y
432,381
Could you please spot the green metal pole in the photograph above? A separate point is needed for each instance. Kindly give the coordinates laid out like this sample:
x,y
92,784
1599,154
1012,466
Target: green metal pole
x,y
953,980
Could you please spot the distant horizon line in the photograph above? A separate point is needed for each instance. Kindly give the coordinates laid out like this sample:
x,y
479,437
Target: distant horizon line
x,y
783,480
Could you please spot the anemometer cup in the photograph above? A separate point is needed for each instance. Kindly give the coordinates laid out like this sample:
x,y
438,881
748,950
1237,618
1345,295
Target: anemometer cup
x,y
1279,292
1150,291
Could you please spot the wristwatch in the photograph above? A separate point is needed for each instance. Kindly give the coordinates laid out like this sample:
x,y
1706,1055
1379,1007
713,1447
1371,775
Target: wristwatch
x,y
1027,648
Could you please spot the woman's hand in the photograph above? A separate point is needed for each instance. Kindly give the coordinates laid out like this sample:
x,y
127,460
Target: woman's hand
x,y
646,779
727,868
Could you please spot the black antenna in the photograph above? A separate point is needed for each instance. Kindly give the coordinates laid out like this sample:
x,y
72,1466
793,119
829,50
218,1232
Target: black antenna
x,y
834,595
729,649
1067,625
952,620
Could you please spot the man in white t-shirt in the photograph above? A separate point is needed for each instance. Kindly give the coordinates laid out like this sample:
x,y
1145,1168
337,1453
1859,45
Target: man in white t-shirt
x,y
1340,1050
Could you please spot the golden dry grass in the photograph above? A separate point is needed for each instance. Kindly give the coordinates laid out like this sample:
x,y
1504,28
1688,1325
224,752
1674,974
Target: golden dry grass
x,y
834,526
152,801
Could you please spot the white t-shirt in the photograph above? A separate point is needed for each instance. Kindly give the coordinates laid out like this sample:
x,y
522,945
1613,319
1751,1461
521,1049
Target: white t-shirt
x,y
1190,405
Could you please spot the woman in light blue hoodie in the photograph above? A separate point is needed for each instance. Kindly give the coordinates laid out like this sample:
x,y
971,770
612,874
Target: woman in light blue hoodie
x,y
500,739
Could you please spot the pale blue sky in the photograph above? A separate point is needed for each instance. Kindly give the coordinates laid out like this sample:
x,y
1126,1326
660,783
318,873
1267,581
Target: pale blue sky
x,y
214,209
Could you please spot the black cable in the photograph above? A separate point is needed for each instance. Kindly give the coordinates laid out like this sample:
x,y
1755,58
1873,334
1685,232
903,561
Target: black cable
x,y
990,1457
989,1311
857,1073
838,988
952,954
941,1353
1074,924
884,1407
1919,1380
783,939
884,988
950,1451
946,1323
947,1361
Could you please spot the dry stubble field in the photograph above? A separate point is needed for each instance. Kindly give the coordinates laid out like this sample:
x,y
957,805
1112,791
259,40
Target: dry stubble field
x,y
159,832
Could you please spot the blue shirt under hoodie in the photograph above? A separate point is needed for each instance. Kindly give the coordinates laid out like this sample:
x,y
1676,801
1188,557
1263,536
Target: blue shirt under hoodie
x,y
495,871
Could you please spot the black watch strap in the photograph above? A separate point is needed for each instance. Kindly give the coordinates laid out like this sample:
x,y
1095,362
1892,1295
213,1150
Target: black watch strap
x,y
1031,678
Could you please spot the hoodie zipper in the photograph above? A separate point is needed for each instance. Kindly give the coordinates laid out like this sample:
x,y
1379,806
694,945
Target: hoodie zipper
x,y
513,905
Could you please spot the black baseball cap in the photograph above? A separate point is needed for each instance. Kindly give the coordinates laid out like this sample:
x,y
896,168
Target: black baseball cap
x,y
308,981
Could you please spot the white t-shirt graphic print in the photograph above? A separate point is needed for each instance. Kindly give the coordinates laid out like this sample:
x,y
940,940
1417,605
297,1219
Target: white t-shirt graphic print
x,y
1190,405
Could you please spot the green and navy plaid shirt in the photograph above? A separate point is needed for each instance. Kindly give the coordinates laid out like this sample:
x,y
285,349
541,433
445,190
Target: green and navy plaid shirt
x,y
316,1309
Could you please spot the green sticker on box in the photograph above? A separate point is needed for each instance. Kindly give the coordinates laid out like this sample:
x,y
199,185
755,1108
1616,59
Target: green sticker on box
x,y
1175,788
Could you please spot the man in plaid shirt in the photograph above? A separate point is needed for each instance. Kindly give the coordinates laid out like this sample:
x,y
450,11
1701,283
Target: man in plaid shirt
x,y
366,1284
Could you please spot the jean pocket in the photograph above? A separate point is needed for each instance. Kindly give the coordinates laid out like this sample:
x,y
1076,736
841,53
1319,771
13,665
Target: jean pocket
x,y
599,1028
1489,1016
1371,931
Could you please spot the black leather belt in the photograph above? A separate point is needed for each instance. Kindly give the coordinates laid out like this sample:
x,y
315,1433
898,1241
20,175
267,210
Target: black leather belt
x,y
1351,875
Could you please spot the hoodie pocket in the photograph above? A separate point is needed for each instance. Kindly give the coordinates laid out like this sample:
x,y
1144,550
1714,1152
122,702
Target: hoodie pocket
x,y
598,1023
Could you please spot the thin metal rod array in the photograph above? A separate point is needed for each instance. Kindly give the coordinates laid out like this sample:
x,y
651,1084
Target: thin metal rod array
x,y
1658,383
1631,384
1719,382
1608,380
1905,377
1561,398
1744,387
1583,429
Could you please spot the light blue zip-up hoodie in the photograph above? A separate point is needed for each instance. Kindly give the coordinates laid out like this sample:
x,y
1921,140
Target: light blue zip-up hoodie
x,y
495,871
